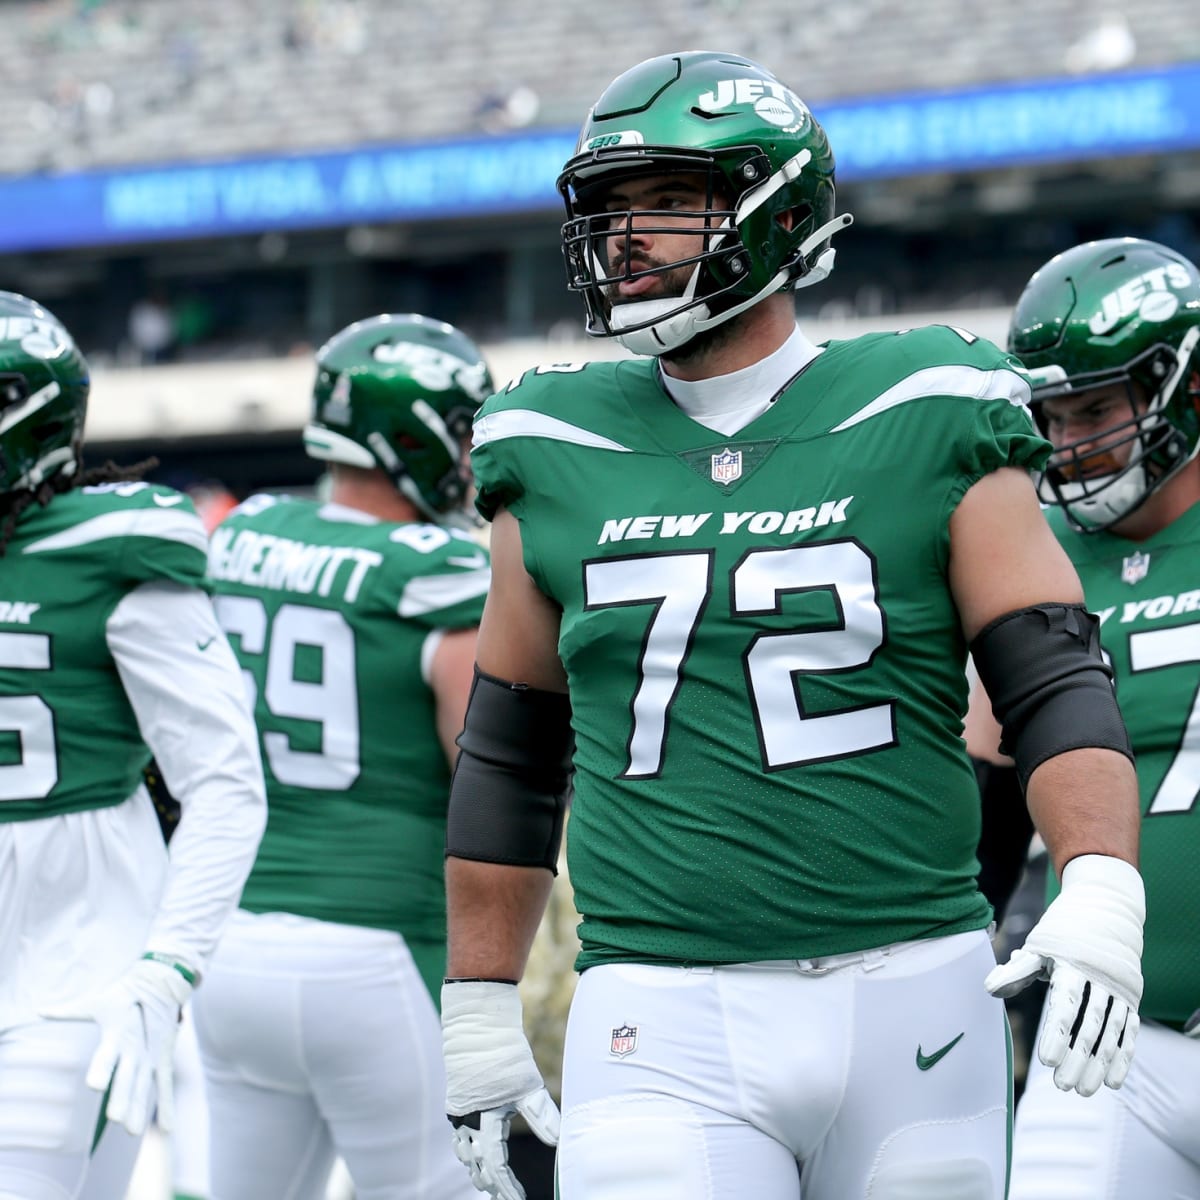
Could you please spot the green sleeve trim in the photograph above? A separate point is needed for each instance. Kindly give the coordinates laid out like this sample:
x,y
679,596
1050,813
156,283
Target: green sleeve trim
x,y
191,976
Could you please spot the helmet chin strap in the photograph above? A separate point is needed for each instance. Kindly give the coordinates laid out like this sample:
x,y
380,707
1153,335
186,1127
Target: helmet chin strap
x,y
666,326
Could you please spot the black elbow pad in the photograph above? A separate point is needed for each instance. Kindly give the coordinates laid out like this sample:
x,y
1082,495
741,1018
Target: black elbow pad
x,y
1050,688
510,785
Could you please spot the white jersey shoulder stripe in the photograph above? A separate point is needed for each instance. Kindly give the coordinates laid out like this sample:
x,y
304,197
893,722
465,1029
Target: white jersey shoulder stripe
x,y
524,422
429,593
970,383
170,524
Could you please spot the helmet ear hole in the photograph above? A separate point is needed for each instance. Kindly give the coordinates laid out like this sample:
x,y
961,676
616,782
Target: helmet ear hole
x,y
14,387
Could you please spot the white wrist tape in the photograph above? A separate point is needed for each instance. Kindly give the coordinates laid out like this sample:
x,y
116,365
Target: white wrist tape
x,y
1112,896
488,1060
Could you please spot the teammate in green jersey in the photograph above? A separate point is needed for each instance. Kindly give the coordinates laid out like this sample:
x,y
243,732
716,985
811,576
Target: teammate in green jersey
x,y
734,586
1110,334
355,623
109,650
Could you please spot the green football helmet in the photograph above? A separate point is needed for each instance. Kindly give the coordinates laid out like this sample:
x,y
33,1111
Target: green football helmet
x,y
399,392
764,156
44,385
1123,311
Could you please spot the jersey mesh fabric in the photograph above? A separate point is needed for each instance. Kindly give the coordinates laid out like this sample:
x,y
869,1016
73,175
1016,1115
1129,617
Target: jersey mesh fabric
x,y
68,737
766,666
1147,595
329,618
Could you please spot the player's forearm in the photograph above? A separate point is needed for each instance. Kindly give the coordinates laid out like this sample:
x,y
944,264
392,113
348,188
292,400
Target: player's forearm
x,y
493,912
1085,801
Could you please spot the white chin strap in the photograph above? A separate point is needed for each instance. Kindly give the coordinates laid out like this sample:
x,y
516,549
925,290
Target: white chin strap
x,y
670,322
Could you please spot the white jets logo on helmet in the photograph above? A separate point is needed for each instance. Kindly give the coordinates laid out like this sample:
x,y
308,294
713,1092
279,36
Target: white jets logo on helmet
x,y
434,369
41,339
1151,295
774,103
605,141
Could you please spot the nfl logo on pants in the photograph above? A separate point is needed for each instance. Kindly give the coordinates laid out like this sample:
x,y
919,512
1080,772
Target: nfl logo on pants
x,y
624,1040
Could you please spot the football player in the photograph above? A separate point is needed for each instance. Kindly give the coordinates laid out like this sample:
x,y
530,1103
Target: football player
x,y
355,622
1110,334
734,585
109,651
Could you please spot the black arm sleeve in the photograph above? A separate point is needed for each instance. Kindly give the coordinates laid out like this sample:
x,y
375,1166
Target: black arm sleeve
x,y
1050,688
1005,835
510,785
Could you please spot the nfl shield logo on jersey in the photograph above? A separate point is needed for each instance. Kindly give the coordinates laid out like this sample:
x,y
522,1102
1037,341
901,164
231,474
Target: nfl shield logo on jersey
x,y
727,466
1135,567
624,1040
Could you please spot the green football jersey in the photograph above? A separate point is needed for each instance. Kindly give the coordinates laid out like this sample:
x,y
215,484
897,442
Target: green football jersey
x,y
1147,595
329,612
766,666
69,739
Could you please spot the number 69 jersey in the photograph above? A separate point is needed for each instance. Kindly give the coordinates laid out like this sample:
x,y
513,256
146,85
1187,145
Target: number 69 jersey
x,y
765,662
1147,595
332,615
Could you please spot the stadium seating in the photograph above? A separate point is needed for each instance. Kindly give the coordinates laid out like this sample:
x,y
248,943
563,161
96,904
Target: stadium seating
x,y
104,82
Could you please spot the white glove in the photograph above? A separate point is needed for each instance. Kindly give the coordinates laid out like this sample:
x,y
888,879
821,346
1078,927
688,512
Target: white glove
x,y
490,1076
1192,1025
1089,945
138,1015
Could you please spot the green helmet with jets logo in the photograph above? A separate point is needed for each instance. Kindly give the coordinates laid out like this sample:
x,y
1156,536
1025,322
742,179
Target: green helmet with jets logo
x,y
1123,312
769,213
399,392
44,385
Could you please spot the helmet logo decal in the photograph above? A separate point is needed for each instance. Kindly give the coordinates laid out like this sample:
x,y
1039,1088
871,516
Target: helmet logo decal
x,y
435,369
626,137
40,339
772,102
1150,295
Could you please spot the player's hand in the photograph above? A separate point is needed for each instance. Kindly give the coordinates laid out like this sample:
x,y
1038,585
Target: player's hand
x,y
490,1077
138,1015
1089,945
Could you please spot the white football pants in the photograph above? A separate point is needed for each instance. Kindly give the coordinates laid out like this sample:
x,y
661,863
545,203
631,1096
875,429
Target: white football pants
x,y
77,896
1140,1141
319,1039
884,1074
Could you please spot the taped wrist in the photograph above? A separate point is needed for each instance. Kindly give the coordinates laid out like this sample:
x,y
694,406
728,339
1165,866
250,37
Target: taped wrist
x,y
1050,688
1096,923
509,789
487,1055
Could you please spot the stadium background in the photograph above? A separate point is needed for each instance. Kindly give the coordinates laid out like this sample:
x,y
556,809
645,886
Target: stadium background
x,y
265,173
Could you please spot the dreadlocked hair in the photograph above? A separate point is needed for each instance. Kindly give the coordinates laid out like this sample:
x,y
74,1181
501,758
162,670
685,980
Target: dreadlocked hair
x,y
15,503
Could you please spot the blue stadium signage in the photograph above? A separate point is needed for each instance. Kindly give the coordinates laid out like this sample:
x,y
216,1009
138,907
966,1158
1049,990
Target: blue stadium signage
x,y
1060,120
